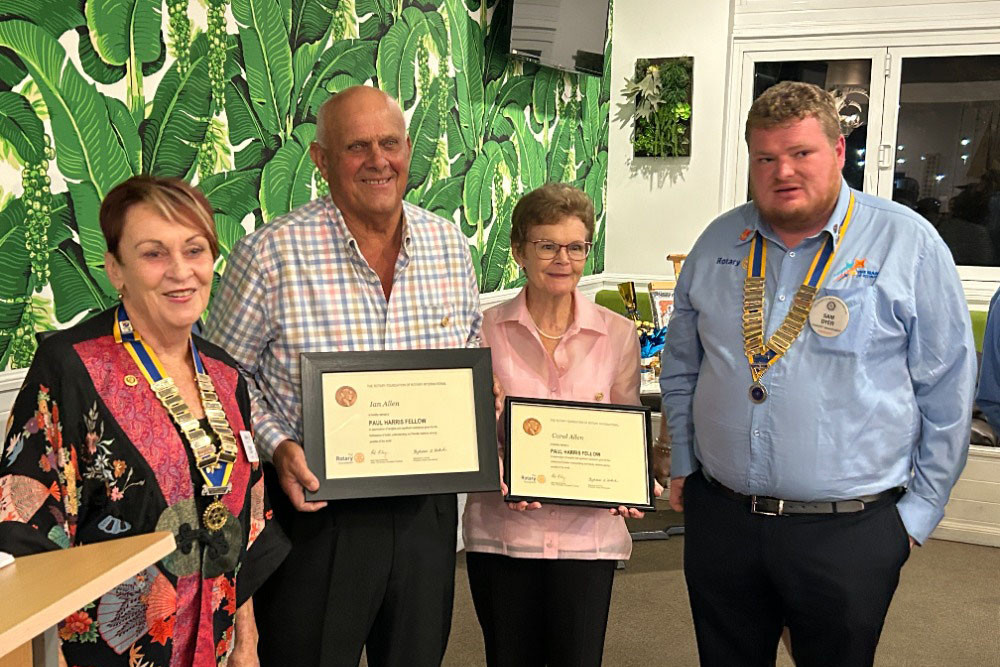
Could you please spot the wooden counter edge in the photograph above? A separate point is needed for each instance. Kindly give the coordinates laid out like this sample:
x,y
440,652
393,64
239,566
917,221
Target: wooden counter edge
x,y
155,546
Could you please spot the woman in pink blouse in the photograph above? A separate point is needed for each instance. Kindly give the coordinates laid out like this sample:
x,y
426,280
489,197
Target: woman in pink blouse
x,y
541,576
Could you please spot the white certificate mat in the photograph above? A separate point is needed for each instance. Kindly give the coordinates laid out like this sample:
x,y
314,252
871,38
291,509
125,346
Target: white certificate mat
x,y
584,455
406,422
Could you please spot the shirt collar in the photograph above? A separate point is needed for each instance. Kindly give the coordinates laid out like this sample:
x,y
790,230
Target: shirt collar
x,y
754,223
586,315
344,234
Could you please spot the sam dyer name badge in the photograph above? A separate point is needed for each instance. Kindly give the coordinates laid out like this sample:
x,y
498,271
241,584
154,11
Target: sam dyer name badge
x,y
829,316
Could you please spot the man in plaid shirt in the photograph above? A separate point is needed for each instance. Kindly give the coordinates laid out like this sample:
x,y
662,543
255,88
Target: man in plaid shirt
x,y
358,270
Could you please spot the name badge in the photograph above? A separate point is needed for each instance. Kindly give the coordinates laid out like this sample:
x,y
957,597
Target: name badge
x,y
829,316
248,447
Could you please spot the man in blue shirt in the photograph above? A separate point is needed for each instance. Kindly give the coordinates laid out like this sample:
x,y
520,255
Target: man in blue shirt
x,y
988,393
818,385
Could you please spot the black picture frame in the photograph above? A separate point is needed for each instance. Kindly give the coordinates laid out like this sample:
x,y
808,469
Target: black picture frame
x,y
314,365
511,455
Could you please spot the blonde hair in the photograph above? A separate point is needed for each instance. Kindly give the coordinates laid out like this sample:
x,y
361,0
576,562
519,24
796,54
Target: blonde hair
x,y
548,205
174,199
793,100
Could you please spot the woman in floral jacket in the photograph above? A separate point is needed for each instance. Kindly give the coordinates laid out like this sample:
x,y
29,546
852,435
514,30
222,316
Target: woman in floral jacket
x,y
128,424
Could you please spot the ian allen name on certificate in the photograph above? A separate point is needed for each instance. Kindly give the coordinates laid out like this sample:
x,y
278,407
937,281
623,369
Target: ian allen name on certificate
x,y
399,423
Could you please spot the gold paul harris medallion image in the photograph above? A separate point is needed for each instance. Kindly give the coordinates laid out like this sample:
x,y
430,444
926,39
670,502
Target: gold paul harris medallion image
x,y
346,396
532,426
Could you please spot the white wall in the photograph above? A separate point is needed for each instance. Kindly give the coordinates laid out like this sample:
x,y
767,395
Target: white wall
x,y
660,205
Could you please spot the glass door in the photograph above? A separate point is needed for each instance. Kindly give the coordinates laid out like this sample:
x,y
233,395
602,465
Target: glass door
x,y
856,79
941,149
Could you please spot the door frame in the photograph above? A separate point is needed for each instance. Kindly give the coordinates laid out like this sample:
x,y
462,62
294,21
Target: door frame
x,y
979,282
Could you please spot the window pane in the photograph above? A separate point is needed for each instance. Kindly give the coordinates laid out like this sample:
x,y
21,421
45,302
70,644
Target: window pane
x,y
948,151
849,81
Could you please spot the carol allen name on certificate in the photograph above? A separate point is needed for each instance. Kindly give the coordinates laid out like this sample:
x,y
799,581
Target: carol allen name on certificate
x,y
410,422
583,454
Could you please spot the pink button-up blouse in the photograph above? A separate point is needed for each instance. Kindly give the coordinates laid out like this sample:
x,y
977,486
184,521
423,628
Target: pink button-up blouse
x,y
596,361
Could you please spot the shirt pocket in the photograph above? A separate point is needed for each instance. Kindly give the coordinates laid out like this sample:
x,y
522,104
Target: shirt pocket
x,y
855,339
439,325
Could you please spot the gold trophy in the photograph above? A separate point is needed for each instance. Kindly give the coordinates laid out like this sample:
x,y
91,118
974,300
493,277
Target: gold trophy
x,y
627,292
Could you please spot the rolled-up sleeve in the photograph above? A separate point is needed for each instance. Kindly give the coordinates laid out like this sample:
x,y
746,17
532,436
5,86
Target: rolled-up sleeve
x,y
680,363
942,363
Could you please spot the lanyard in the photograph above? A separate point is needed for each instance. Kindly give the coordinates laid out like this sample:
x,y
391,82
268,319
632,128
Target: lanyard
x,y
761,356
215,466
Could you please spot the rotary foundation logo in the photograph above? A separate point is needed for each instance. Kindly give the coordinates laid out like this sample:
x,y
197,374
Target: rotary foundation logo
x,y
359,458
540,479
346,396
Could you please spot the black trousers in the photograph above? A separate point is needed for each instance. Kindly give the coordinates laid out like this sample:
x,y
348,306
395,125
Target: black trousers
x,y
828,577
376,573
537,612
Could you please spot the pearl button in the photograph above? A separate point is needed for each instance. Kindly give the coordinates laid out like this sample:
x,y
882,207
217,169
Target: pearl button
x,y
756,432
781,297
791,254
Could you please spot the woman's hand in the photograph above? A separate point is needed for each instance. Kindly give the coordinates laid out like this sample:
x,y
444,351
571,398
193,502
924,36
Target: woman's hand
x,y
633,513
245,638
520,506
524,506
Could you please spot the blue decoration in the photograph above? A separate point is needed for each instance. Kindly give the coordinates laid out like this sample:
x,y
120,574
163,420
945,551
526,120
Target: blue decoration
x,y
651,343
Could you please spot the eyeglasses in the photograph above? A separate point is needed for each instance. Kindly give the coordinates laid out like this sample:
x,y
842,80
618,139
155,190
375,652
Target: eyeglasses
x,y
545,249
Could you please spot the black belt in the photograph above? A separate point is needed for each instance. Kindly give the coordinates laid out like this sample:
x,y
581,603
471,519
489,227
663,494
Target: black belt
x,y
769,506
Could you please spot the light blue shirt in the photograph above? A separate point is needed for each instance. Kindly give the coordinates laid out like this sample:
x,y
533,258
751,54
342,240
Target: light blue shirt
x,y
886,403
988,395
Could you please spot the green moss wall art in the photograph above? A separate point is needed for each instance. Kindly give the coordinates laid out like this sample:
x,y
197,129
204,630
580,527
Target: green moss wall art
x,y
661,93
224,93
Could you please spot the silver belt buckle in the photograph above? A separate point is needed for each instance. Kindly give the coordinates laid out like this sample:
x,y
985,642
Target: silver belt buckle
x,y
755,510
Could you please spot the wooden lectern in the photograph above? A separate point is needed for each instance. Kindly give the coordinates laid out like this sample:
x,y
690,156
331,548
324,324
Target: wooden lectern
x,y
34,599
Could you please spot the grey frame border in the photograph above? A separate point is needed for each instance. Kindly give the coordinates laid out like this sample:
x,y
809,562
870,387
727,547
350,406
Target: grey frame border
x,y
315,364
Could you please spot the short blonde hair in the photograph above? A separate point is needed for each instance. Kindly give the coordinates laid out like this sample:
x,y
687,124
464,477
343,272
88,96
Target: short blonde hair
x,y
793,100
174,199
548,205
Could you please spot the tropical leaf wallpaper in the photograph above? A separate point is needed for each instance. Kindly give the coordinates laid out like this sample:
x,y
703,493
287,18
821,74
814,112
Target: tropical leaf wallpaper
x,y
224,93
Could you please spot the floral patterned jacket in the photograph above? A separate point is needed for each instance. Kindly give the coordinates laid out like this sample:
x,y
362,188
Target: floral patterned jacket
x,y
91,455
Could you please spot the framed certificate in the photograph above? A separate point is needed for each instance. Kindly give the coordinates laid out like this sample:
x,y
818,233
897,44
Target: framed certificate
x,y
399,423
570,453
661,297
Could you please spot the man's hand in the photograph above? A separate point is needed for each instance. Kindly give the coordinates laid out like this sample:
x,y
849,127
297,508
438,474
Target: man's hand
x,y
677,494
913,543
294,475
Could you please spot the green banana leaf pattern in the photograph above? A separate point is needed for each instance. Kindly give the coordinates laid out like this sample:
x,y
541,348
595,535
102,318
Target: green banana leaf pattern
x,y
94,91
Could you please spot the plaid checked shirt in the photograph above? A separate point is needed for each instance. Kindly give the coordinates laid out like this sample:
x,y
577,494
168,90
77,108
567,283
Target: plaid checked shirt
x,y
300,284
